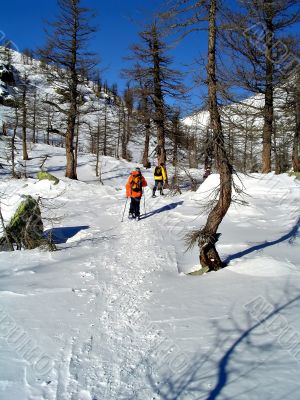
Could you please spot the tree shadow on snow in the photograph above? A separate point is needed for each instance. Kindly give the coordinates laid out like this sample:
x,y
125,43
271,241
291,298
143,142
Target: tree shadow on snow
x,y
168,207
290,236
61,235
242,349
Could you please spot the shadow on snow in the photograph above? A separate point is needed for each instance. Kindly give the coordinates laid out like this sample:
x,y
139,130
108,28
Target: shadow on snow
x,y
209,375
61,235
168,207
290,236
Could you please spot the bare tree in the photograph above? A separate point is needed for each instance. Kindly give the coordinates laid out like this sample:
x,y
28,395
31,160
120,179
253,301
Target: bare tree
x,y
209,257
152,70
67,57
191,13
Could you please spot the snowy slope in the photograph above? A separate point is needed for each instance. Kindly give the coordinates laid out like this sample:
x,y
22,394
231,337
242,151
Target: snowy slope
x,y
112,315
92,109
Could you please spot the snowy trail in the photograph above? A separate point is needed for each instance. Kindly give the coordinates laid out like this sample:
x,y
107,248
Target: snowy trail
x,y
113,310
110,360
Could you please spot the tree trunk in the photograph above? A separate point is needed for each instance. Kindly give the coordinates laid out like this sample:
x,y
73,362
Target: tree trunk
x,y
77,141
175,151
48,127
70,155
159,115
145,161
147,125
105,132
34,120
268,107
4,129
117,155
209,257
98,149
13,139
124,135
24,121
296,141
245,147
72,114
193,162
276,151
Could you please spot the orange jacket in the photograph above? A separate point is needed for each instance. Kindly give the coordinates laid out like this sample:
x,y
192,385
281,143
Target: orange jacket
x,y
130,192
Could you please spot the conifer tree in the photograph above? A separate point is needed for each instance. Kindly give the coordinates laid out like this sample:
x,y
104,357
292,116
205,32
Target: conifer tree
x,y
68,63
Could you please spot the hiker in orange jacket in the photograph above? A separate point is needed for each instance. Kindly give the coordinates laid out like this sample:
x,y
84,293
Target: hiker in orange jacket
x,y
134,190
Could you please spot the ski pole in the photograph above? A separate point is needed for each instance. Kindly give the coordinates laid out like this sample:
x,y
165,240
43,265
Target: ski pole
x,y
124,210
144,202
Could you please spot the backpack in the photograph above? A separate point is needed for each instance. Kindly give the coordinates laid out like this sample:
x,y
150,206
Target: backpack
x,y
157,171
136,183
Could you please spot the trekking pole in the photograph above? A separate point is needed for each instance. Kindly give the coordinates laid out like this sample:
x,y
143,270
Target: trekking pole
x,y
124,210
144,202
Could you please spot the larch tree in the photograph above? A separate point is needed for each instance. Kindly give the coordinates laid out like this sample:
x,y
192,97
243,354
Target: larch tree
x,y
191,15
153,65
209,257
68,63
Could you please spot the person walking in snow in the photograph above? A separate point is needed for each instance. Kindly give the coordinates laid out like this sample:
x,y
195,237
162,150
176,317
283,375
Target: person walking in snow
x,y
160,177
134,189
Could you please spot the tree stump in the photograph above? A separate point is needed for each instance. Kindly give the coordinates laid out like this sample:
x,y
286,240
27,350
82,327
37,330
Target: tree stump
x,y
209,257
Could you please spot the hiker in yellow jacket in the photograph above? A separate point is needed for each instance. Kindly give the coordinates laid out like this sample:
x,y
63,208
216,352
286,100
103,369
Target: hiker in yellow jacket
x,y
160,177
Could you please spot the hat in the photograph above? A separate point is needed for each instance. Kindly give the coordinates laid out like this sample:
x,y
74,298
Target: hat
x,y
138,169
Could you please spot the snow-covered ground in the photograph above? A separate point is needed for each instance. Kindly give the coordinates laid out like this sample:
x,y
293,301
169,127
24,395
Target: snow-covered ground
x,y
113,315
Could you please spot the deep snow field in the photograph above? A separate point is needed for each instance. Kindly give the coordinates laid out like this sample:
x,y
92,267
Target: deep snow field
x,y
113,314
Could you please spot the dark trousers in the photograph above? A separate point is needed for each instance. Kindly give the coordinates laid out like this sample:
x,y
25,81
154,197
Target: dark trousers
x,y
161,185
135,206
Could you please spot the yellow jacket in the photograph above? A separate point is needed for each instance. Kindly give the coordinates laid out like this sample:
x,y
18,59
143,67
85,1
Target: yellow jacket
x,y
162,176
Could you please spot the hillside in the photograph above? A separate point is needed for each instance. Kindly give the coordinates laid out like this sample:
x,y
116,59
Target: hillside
x,y
98,104
243,129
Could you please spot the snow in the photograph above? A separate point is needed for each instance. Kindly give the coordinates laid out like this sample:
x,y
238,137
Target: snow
x,y
113,314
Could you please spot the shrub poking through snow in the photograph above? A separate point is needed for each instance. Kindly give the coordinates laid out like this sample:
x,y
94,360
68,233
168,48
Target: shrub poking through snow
x,y
45,175
25,228
296,174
